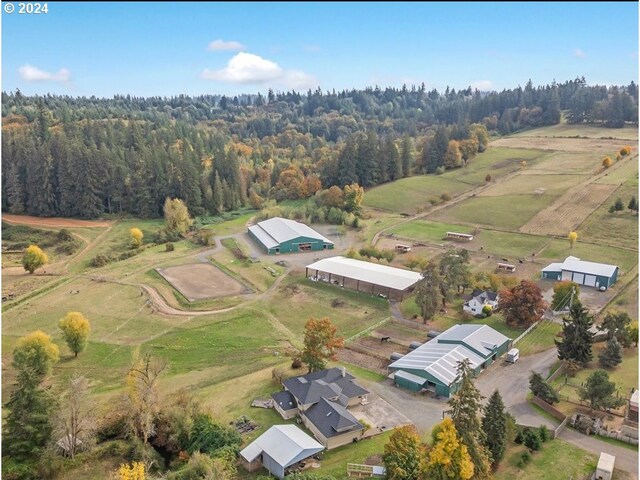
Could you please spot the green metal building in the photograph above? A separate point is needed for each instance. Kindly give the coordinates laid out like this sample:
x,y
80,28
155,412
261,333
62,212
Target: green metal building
x,y
590,274
432,366
280,235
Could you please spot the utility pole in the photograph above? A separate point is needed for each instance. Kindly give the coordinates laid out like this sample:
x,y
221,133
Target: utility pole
x,y
573,291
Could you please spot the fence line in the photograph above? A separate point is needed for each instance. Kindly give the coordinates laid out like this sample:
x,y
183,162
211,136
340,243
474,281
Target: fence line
x,y
368,330
528,330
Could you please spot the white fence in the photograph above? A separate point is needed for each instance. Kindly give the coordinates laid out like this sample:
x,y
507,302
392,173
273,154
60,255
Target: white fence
x,y
528,330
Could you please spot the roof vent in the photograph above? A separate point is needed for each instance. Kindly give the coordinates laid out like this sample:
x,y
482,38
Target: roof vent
x,y
329,414
303,380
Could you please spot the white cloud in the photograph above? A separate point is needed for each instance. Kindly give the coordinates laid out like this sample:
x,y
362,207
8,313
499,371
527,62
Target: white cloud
x,y
30,73
222,45
247,68
482,85
579,53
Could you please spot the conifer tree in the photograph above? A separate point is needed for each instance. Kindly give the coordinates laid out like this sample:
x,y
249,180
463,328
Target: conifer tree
x,y
494,425
577,340
611,356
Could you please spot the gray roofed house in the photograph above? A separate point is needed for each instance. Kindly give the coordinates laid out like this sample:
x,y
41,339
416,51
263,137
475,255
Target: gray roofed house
x,y
330,419
322,399
478,299
433,365
280,235
278,448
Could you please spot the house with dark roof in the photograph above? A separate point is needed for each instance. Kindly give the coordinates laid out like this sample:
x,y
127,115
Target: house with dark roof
x,y
322,400
478,299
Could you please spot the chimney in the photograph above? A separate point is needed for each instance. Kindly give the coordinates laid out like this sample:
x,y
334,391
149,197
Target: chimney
x,y
344,372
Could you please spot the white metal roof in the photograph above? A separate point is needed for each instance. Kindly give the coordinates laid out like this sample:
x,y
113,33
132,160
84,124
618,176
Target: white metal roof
x,y
286,444
382,275
276,230
481,338
634,399
606,462
410,376
439,359
574,264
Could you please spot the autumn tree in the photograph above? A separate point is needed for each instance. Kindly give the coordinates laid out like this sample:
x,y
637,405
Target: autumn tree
x,y
523,304
136,237
494,426
75,420
404,455
466,405
176,216
611,356
577,339
320,343
75,331
448,458
600,392
453,157
34,258
541,389
607,162
353,196
564,292
27,426
633,333
135,471
572,237
142,397
428,291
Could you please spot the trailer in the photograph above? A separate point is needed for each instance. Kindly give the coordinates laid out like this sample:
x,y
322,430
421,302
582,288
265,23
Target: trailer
x,y
513,355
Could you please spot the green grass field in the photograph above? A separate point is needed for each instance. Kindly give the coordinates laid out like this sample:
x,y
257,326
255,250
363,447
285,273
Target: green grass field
x,y
619,229
297,300
507,212
410,194
626,174
539,339
528,183
427,231
557,460
567,163
627,300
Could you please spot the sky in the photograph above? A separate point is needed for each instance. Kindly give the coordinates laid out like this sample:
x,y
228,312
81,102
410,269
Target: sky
x,y
172,48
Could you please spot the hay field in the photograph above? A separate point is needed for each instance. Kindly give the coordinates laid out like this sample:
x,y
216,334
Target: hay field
x,y
579,145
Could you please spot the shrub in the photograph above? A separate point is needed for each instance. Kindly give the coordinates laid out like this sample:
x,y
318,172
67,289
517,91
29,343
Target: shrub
x,y
487,178
100,260
445,197
525,457
543,433
169,247
440,170
487,310
531,440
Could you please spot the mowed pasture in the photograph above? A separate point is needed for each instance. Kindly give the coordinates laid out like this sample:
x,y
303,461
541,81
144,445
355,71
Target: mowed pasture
x,y
626,174
568,211
409,195
198,281
578,145
619,229
582,131
558,249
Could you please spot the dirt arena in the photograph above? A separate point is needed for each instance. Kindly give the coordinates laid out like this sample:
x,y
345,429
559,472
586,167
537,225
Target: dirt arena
x,y
199,281
53,222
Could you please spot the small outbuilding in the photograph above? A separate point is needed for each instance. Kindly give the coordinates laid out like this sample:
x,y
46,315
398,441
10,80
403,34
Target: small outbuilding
x,y
279,448
604,470
590,274
280,235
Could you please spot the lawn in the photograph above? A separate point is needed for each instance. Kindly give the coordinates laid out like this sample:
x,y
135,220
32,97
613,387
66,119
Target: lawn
x,y
565,163
624,375
627,174
557,460
618,229
539,339
427,231
296,300
229,226
374,221
557,250
528,183
508,212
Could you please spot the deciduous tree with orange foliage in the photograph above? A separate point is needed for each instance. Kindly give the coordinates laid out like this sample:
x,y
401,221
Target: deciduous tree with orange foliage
x,y
522,305
320,343
135,471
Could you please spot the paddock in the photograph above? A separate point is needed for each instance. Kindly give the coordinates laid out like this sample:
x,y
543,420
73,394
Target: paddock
x,y
199,281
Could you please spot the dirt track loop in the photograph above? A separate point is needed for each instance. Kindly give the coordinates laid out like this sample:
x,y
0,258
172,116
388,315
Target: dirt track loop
x,y
54,222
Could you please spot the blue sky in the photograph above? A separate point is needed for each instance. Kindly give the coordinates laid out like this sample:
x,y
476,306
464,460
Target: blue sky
x,y
166,49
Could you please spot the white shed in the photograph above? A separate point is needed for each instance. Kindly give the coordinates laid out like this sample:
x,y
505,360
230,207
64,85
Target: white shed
x,y
604,470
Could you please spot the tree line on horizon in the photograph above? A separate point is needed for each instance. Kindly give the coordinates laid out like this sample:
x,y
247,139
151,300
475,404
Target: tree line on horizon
x,y
84,157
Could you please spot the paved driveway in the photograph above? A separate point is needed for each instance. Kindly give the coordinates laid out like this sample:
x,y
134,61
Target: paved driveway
x,y
512,380
424,412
